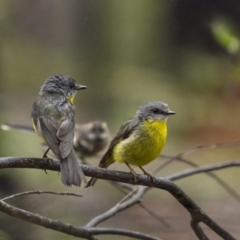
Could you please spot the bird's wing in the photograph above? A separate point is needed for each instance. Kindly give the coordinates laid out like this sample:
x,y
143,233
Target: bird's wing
x,y
48,131
65,134
124,132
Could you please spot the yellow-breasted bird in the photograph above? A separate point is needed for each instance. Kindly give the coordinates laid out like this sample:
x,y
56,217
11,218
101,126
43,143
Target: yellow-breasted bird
x,y
89,138
53,119
140,139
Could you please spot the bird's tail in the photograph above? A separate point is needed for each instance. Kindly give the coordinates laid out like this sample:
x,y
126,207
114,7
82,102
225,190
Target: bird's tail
x,y
71,172
104,163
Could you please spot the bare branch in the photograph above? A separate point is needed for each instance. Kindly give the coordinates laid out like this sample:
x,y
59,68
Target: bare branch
x,y
41,192
211,146
221,182
121,186
118,207
44,221
121,232
154,215
132,198
87,233
198,230
23,162
195,149
194,210
204,169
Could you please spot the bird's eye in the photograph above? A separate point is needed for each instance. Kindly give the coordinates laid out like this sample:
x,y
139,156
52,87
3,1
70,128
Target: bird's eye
x,y
155,110
71,85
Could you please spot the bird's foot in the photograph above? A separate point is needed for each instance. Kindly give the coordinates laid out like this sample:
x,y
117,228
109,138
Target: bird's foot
x,y
135,176
153,179
49,160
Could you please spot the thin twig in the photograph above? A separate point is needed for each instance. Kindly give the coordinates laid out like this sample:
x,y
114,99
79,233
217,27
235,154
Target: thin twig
x,y
203,169
140,204
83,232
195,149
41,192
154,215
132,198
211,146
231,191
44,221
198,230
121,232
117,208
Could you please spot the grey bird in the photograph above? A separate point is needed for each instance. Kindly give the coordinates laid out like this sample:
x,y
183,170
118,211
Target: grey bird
x,y
53,120
91,138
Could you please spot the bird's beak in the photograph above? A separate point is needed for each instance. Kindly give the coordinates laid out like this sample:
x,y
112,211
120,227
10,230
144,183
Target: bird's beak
x,y
80,87
170,112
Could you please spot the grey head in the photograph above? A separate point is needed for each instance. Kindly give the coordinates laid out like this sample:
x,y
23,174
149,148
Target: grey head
x,y
61,84
154,111
98,131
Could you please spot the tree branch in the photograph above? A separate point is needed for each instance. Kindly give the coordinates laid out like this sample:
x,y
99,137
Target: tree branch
x,y
195,149
44,221
203,169
41,192
115,231
87,233
118,207
198,230
221,182
194,210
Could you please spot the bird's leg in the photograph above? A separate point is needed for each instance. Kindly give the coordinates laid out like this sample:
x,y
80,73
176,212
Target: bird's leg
x,y
148,174
45,153
132,172
45,156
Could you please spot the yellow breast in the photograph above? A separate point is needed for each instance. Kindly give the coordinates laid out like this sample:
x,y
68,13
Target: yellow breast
x,y
143,145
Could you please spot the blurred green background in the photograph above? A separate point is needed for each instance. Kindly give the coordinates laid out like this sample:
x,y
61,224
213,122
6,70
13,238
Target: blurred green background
x,y
127,52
